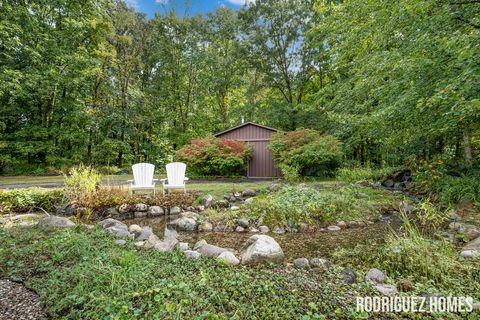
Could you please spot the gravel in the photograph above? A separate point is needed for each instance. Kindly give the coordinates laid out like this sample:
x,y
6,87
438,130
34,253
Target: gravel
x,y
19,303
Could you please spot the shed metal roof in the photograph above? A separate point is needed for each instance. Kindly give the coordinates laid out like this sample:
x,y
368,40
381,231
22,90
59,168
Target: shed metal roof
x,y
243,125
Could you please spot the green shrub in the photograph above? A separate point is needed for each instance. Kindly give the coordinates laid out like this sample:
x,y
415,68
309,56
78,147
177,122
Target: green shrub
x,y
305,152
109,170
81,180
433,178
23,200
216,157
356,174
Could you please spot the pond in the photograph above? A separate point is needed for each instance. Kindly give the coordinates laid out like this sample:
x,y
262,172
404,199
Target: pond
x,y
294,245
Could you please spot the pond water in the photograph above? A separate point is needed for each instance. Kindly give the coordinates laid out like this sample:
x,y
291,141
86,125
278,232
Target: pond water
x,y
294,245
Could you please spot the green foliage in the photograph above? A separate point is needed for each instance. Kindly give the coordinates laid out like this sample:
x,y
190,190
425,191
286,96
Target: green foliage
x,y
217,157
305,152
402,77
434,265
23,200
447,188
370,174
79,182
394,81
296,204
83,274
430,217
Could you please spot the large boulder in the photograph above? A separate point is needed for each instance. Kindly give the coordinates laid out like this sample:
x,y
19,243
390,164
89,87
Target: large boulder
x,y
55,222
334,228
249,200
141,207
135,229
174,211
189,214
155,211
151,241
320,263
349,276
124,208
119,232
145,234
166,245
194,255
182,246
228,257
170,233
473,245
386,289
248,193
469,253
261,248
117,228
264,229
375,275
301,263
140,214
107,223
243,222
206,227
184,224
209,250
209,201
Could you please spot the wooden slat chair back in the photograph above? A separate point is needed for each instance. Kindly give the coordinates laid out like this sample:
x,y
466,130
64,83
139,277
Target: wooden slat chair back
x,y
143,177
175,176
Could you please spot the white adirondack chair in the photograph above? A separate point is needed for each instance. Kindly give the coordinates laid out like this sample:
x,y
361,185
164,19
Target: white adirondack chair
x,y
143,177
175,177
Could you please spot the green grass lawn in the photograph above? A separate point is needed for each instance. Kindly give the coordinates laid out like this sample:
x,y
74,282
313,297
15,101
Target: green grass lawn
x,y
37,180
215,188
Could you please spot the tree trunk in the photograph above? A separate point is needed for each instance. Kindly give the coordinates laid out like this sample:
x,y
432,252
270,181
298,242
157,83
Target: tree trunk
x,y
467,147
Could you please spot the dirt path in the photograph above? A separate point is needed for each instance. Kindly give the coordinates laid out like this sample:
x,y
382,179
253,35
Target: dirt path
x,y
19,303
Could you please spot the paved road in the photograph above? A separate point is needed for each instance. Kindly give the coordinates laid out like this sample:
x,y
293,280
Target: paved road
x,y
120,183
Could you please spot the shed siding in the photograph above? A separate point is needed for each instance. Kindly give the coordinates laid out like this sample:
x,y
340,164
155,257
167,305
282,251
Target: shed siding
x,y
261,164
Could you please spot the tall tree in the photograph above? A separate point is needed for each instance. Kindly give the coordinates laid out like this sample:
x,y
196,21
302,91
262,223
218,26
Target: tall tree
x,y
275,34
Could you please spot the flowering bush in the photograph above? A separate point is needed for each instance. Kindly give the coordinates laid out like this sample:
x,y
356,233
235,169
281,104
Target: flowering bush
x,y
216,157
305,152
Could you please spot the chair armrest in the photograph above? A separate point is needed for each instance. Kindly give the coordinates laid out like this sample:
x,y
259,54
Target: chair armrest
x,y
186,179
129,180
163,180
155,179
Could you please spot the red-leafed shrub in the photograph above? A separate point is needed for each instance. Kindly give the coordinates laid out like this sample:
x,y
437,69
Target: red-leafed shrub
x,y
216,157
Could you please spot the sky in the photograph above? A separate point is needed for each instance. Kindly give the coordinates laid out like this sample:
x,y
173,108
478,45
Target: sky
x,y
182,7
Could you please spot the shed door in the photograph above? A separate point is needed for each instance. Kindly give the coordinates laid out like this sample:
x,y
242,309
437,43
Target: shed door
x,y
261,164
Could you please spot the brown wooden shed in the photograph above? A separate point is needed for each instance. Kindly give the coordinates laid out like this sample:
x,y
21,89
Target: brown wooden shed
x,y
261,165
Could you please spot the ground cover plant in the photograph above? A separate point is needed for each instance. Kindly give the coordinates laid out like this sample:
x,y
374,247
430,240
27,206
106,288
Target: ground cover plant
x,y
82,274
